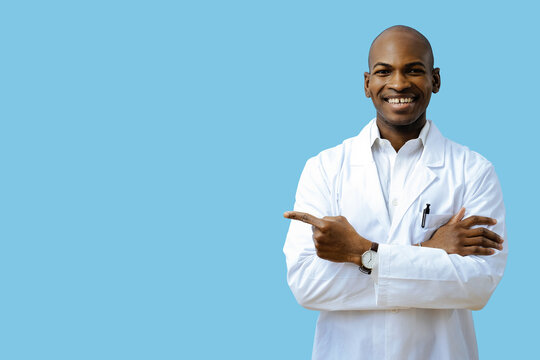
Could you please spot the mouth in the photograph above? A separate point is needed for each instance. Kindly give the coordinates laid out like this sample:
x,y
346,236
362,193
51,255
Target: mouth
x,y
405,100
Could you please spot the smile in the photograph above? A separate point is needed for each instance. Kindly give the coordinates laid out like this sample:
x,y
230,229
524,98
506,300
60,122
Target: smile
x,y
399,100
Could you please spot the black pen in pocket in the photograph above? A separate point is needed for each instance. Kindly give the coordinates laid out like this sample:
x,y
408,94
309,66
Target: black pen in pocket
x,y
424,213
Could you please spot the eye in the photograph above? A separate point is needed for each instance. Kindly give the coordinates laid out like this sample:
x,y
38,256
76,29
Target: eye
x,y
417,71
382,72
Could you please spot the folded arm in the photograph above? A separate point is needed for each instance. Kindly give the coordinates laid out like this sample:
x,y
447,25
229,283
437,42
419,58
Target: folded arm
x,y
440,276
327,278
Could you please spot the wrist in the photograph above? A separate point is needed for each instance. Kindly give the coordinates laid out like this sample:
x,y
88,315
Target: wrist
x,y
362,245
365,245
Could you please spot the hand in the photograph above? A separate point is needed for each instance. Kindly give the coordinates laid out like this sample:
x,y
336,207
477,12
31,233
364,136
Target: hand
x,y
457,237
334,237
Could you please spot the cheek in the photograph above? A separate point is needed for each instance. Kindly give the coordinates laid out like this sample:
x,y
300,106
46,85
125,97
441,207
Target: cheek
x,y
427,93
426,86
374,89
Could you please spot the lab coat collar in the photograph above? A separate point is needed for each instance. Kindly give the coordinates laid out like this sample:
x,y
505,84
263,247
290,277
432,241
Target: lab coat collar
x,y
432,156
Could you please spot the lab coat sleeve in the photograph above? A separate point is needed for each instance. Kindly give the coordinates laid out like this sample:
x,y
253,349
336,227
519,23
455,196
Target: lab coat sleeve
x,y
409,276
316,283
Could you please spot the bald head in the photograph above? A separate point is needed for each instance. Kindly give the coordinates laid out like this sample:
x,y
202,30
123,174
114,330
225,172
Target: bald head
x,y
401,33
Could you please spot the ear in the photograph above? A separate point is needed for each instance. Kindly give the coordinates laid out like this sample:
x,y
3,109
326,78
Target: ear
x,y
366,84
436,80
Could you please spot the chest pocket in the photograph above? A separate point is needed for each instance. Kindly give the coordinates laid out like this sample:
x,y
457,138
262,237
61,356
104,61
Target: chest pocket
x,y
436,220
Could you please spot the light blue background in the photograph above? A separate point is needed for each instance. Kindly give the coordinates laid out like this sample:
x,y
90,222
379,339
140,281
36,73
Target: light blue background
x,y
149,148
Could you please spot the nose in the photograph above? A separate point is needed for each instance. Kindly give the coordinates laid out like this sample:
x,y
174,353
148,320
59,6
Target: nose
x,y
398,81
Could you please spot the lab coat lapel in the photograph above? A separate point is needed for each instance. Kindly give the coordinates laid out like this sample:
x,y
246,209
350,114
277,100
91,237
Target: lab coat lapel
x,y
365,177
423,175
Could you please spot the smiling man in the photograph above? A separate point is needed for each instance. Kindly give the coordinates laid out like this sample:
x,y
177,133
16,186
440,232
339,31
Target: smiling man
x,y
398,233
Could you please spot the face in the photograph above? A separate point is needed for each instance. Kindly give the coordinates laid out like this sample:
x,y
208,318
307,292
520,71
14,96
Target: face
x,y
401,78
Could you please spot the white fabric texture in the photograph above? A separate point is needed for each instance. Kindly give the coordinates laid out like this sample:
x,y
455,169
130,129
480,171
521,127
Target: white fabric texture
x,y
394,167
417,302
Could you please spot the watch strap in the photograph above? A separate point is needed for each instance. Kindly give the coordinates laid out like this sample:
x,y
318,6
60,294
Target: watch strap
x,y
365,270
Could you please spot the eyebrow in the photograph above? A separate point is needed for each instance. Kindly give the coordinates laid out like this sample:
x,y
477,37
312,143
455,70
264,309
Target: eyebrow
x,y
381,64
415,63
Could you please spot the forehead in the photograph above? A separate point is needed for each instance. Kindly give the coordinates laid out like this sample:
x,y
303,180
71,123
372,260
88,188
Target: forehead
x,y
398,48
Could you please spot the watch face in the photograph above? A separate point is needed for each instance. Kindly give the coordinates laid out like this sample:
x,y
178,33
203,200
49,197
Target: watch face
x,y
368,259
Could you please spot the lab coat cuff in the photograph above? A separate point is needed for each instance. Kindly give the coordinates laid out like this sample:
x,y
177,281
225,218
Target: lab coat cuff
x,y
381,282
401,268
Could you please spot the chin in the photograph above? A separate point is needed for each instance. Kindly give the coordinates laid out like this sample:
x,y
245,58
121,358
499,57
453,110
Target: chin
x,y
400,120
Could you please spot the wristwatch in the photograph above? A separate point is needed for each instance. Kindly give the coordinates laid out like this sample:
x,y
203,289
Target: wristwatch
x,y
369,258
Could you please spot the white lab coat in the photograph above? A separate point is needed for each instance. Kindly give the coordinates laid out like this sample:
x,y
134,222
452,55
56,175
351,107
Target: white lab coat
x,y
417,302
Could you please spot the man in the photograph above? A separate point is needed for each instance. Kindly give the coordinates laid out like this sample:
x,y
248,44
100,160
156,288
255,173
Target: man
x,y
399,232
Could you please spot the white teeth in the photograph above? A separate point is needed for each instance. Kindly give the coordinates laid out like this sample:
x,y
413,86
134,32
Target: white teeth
x,y
400,100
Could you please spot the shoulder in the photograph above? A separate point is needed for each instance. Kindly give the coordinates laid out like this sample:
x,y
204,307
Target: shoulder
x,y
354,149
332,157
332,161
477,176
459,156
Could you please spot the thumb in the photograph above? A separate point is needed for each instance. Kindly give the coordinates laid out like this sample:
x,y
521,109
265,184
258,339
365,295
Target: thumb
x,y
458,217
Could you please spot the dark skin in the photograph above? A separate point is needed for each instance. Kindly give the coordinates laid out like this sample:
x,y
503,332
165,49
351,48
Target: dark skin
x,y
400,83
401,68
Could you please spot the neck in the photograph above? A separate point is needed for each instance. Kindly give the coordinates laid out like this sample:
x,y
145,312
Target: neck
x,y
398,135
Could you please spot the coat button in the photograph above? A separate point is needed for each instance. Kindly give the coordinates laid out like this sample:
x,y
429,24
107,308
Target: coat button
x,y
395,202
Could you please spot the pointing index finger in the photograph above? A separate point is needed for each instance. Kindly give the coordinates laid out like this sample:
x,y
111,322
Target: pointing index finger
x,y
304,217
